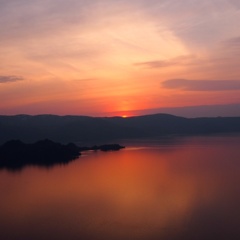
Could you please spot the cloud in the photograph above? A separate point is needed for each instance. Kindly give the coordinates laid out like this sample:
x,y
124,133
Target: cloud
x,y
23,20
155,64
232,43
7,79
202,85
180,60
185,19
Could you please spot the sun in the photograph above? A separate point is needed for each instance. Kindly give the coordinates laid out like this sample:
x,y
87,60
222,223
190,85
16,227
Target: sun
x,y
124,116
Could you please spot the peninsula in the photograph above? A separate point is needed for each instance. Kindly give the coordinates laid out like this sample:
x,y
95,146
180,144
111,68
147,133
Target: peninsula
x,y
15,154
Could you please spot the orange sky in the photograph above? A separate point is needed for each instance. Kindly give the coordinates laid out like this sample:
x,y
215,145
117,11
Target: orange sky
x,y
115,57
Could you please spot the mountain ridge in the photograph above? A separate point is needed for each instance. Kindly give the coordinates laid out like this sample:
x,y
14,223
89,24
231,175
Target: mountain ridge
x,y
73,128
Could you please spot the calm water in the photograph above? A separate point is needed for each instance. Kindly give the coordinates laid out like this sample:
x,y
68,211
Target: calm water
x,y
186,188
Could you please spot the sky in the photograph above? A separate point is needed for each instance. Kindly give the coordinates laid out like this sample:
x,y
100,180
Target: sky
x,y
118,57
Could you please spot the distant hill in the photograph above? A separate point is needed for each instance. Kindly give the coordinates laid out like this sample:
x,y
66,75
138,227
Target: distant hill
x,y
83,128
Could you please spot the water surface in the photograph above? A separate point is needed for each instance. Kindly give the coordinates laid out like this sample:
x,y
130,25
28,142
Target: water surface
x,y
181,188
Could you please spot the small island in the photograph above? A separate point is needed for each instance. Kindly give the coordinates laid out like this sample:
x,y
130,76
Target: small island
x,y
15,154
105,147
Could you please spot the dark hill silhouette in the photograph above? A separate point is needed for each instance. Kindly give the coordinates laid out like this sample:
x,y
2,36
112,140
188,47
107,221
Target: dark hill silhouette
x,y
82,128
15,154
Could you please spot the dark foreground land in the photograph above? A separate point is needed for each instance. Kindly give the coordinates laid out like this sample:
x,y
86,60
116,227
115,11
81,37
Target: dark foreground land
x,y
15,154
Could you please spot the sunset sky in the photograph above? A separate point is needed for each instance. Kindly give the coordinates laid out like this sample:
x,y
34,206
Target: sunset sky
x,y
117,57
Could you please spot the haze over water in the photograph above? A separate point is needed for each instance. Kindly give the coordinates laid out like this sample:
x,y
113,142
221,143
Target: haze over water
x,y
178,188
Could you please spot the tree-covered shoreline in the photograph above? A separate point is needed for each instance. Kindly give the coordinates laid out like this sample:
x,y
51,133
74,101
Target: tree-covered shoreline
x,y
15,154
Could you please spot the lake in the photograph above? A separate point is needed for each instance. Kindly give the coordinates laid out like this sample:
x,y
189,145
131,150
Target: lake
x,y
155,189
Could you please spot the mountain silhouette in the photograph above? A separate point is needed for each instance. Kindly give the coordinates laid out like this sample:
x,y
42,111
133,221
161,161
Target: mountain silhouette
x,y
66,129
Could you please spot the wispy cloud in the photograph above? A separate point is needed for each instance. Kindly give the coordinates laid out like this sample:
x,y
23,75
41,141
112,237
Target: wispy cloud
x,y
7,79
155,64
232,43
181,60
202,85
